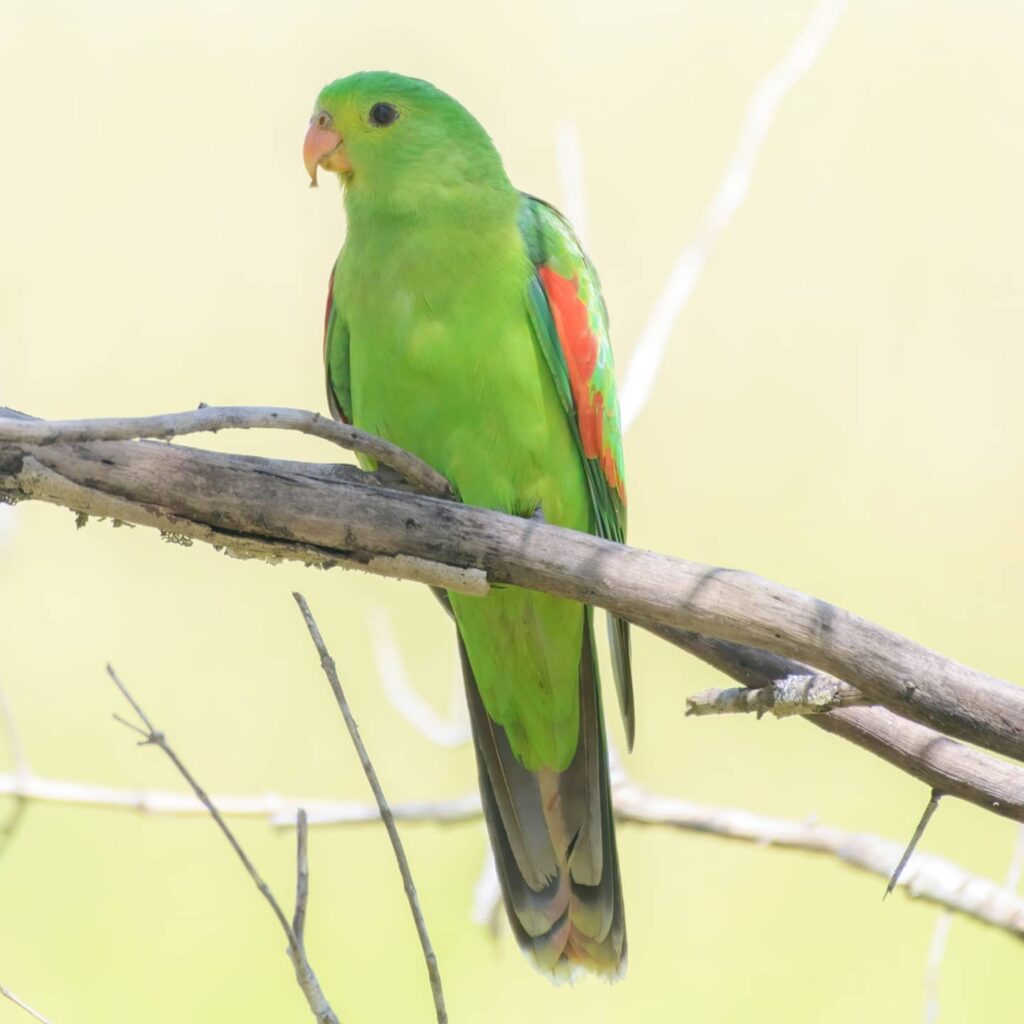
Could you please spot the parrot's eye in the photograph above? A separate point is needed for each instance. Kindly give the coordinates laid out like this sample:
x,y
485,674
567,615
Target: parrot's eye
x,y
323,120
383,114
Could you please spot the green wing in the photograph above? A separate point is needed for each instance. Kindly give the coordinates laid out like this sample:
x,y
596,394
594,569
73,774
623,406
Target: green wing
x,y
570,323
336,356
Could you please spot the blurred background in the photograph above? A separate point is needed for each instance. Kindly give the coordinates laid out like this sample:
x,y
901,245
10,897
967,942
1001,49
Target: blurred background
x,y
839,409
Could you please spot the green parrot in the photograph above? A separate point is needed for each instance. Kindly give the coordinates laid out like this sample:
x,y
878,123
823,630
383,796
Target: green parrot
x,y
465,324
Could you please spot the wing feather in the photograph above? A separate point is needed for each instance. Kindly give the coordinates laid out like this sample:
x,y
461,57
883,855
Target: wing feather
x,y
570,323
336,359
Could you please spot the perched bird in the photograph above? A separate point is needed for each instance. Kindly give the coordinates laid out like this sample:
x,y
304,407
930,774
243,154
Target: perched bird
x,y
465,324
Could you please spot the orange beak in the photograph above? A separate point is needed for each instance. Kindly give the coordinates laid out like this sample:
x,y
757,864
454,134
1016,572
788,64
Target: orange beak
x,y
324,148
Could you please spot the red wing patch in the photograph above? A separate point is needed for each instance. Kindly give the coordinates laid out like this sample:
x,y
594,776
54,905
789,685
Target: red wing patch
x,y
579,346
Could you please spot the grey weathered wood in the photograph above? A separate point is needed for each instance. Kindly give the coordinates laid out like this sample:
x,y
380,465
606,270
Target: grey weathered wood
x,y
267,508
210,419
938,761
804,694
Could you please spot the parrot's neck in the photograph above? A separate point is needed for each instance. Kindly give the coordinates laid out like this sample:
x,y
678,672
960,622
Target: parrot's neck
x,y
477,205
439,256
440,245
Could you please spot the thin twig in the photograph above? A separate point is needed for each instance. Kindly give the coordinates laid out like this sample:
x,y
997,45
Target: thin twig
x,y
210,419
944,923
487,894
22,771
403,696
569,164
936,760
303,971
272,807
1013,872
936,952
930,808
18,755
649,351
330,671
940,936
301,877
794,695
8,994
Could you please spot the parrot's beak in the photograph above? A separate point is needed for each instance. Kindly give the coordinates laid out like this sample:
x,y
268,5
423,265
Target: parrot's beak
x,y
324,148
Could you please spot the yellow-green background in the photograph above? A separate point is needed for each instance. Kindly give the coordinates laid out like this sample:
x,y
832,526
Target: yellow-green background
x,y
840,410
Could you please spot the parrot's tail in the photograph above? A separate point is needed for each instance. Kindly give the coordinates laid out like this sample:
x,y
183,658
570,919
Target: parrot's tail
x,y
553,838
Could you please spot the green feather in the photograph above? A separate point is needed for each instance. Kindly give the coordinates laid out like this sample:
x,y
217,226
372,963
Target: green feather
x,y
438,339
550,241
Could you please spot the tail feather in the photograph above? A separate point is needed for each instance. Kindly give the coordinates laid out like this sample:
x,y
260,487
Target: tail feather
x,y
587,774
539,920
553,838
622,670
517,796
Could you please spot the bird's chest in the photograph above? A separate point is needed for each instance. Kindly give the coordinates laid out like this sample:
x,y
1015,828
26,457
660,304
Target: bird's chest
x,y
443,362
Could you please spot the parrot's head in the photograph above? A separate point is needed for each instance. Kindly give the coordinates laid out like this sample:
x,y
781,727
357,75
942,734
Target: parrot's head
x,y
399,142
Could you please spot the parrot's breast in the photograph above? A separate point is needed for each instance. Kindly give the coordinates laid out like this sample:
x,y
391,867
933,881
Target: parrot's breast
x,y
443,362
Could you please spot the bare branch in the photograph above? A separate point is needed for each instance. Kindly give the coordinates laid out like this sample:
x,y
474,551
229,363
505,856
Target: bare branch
x,y
42,482
330,671
649,351
366,525
272,509
569,164
272,807
402,695
937,881
926,877
487,895
794,695
944,922
8,994
939,762
1013,872
936,952
22,771
301,877
930,808
210,419
13,737
296,952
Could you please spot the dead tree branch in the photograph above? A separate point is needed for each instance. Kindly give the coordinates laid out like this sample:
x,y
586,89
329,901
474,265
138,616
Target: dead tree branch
x,y
301,876
8,994
331,672
929,878
794,695
304,973
209,419
273,807
272,509
939,762
930,808
22,771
